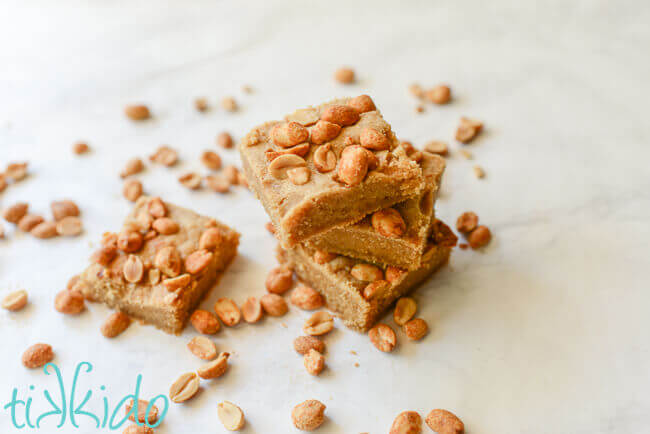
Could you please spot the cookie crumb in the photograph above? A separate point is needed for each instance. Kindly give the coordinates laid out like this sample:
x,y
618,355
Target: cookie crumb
x,y
479,172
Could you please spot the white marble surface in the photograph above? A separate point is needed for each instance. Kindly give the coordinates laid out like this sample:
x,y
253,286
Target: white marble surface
x,y
546,331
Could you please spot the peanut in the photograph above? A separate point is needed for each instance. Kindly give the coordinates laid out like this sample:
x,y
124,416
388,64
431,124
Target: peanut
x,y
362,104
344,75
289,134
383,337
29,222
132,167
305,117
230,416
227,311
467,222
198,261
129,241
440,94
164,155
374,288
353,165
479,237
137,112
407,422
444,422
156,208
340,114
165,226
252,310
279,166
176,283
308,415
37,355
224,140
306,298
168,260
14,213
324,131
416,329
324,159
44,230
64,208
191,180
405,309
373,140
133,269
184,388
143,415
318,324
115,324
204,322
279,280
274,305
215,368
202,347
389,223
299,175
132,190
69,226
69,302
314,362
468,129
303,344
15,301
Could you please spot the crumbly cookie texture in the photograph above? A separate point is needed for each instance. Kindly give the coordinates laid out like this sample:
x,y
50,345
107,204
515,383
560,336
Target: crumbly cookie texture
x,y
360,292
154,277
327,166
368,240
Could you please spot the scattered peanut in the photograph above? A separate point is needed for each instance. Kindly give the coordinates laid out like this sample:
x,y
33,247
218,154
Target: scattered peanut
x,y
318,324
227,311
479,237
467,222
273,304
440,94
201,104
191,180
407,422
137,112
416,329
224,140
204,322
132,167
231,416
444,422
229,104
279,280
184,388
307,298
69,302
211,160
14,213
15,301
132,190
44,230
37,355
69,226
202,347
164,155
215,368
468,129
436,147
143,415
29,222
314,362
308,415
405,309
383,337
115,324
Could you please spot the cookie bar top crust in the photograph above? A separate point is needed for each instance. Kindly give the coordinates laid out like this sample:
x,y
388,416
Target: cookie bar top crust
x,y
327,166
360,292
402,242
159,267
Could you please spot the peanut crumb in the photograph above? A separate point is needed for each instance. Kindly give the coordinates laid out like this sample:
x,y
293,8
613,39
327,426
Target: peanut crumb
x,y
479,172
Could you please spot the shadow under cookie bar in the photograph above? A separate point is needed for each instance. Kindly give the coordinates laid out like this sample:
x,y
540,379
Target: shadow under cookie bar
x,y
178,267
304,188
361,240
357,307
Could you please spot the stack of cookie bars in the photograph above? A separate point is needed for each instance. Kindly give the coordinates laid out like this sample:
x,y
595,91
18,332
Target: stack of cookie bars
x,y
352,207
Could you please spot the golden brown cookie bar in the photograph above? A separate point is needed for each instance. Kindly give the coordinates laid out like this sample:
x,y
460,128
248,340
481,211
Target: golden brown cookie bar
x,y
161,265
391,237
360,292
327,166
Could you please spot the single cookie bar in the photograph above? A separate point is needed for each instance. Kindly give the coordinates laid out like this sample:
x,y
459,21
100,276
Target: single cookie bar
x,y
327,166
394,236
161,265
360,292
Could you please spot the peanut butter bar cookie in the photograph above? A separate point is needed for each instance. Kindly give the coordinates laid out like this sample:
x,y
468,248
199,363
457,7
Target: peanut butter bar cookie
x,y
327,166
160,266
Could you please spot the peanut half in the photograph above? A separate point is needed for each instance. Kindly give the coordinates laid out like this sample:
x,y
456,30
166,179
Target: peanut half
x,y
307,298
405,309
383,337
319,323
274,305
279,166
214,369
289,134
407,422
184,388
314,362
15,301
303,344
252,310
231,416
202,347
204,322
279,280
227,311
